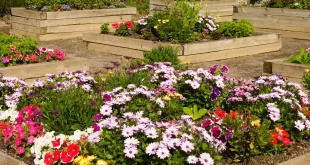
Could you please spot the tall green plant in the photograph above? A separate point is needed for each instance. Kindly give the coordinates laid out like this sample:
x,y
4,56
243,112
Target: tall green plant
x,y
302,58
162,54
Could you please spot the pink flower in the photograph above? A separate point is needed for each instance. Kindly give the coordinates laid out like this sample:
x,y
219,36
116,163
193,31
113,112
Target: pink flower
x,y
33,130
21,135
308,50
30,140
20,150
18,142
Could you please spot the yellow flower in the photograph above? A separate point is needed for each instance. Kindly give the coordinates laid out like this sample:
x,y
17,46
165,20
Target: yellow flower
x,y
159,20
155,27
170,94
110,72
256,123
77,159
187,62
307,70
103,79
166,98
167,20
84,161
102,162
164,21
91,158
177,95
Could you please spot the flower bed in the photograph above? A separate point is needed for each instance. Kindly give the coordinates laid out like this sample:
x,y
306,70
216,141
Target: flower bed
x,y
193,52
293,68
222,9
108,120
291,23
44,26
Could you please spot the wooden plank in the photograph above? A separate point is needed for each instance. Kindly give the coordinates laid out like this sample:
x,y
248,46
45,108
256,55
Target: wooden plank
x,y
287,27
21,33
203,47
91,13
77,21
116,50
217,13
57,36
288,69
8,160
25,21
126,42
300,21
73,28
28,28
28,71
286,34
223,19
22,12
274,11
225,54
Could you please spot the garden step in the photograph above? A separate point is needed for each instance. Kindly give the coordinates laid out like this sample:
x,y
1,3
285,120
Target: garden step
x,y
8,160
300,160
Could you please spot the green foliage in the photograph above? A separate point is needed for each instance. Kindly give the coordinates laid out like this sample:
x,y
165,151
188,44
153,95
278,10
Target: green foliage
x,y
194,112
176,24
162,54
306,79
24,44
65,111
242,28
216,35
249,138
302,58
104,28
141,5
122,31
6,6
293,4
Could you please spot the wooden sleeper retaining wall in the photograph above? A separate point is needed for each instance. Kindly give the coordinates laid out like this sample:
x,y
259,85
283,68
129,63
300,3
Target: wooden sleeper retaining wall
x,y
291,23
30,72
193,52
45,26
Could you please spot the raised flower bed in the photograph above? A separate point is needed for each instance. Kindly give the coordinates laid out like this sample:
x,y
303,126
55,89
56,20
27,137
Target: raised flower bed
x,y
293,68
30,72
222,9
44,26
291,23
193,52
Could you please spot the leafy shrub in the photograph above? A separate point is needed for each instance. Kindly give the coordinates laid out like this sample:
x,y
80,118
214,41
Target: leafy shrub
x,y
302,58
293,4
123,29
216,35
162,54
105,28
141,5
242,28
306,79
6,6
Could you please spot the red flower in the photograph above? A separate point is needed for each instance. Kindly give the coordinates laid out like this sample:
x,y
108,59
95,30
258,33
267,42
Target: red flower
x,y
65,158
60,9
12,48
55,9
48,158
116,25
233,114
279,137
285,134
9,58
33,58
139,0
3,126
56,155
220,113
129,25
275,141
47,57
73,150
56,143
5,132
19,55
286,141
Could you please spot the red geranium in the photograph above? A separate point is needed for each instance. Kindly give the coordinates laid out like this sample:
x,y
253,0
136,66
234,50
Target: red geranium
x,y
73,150
56,143
220,113
286,141
65,158
129,25
48,158
56,155
233,114
116,25
275,141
